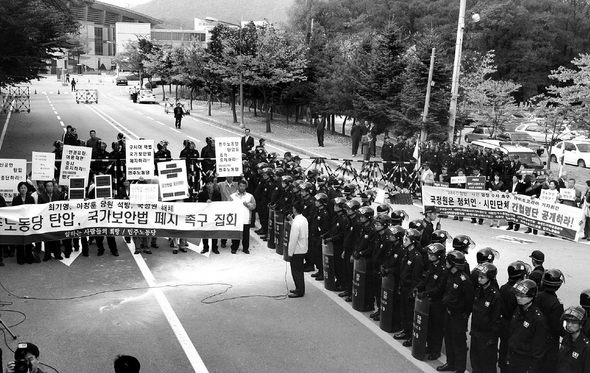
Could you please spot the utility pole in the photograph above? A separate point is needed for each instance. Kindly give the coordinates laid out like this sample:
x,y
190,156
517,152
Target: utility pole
x,y
427,99
456,71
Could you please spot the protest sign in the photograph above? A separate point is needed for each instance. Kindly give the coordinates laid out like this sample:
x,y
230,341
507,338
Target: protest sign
x,y
143,193
458,179
548,195
77,188
75,162
42,166
139,156
173,180
228,156
103,186
475,182
12,172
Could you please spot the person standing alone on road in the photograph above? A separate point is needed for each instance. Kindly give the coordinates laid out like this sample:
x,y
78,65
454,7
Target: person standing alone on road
x,y
178,113
320,130
298,241
73,83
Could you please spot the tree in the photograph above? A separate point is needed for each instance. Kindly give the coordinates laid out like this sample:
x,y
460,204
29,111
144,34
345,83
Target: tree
x,y
278,59
136,55
159,62
487,101
32,32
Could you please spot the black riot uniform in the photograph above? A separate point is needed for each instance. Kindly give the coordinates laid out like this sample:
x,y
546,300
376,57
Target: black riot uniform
x,y
552,309
574,352
486,322
365,250
319,224
262,195
339,226
350,243
585,303
411,272
390,267
528,333
380,246
458,301
433,287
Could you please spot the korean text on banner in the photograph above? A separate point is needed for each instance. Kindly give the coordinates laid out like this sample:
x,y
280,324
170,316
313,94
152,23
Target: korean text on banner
x,y
143,193
139,156
173,180
228,156
43,165
75,162
69,219
12,172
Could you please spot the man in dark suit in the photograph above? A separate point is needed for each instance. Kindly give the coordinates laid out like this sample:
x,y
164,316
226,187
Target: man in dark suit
x,y
247,142
517,187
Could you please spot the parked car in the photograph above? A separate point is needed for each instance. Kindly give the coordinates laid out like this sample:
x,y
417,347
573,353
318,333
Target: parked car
x,y
146,96
576,152
522,139
121,80
479,133
526,156
538,132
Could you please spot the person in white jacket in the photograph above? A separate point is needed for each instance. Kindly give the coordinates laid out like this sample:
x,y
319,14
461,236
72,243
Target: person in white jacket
x,y
297,249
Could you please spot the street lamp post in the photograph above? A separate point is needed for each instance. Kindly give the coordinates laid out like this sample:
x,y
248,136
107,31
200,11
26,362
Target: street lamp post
x,y
211,19
456,71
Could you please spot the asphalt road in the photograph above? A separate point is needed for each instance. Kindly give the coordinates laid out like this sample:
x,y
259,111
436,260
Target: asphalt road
x,y
156,307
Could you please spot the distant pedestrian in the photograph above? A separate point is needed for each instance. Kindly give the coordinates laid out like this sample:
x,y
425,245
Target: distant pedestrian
x,y
355,135
73,83
320,130
178,113
67,77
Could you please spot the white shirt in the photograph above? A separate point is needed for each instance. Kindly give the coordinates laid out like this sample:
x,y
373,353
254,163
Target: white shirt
x,y
250,203
298,236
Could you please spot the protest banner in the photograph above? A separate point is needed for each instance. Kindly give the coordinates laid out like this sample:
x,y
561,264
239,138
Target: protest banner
x,y
173,180
42,166
107,217
558,219
75,162
139,156
228,156
143,193
12,172
103,186
379,196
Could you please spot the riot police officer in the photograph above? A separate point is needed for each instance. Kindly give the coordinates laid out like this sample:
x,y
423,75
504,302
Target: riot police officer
x,y
398,217
339,226
411,271
440,236
391,268
463,243
365,250
552,309
318,225
433,287
381,244
528,331
585,303
351,241
574,352
485,255
486,320
517,271
307,192
429,218
458,301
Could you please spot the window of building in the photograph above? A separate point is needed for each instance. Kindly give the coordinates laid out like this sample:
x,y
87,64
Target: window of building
x,y
98,41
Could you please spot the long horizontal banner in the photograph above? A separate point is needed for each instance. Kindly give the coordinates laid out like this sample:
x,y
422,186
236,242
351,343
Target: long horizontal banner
x,y
110,217
561,220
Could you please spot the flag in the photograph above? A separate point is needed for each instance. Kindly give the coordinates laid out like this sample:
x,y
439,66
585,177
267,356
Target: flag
x,y
416,155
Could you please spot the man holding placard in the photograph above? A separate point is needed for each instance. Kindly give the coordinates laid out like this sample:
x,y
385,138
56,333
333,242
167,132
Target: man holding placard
x,y
250,204
569,195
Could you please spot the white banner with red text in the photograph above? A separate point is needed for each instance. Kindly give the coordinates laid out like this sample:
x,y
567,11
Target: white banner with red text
x,y
554,218
110,217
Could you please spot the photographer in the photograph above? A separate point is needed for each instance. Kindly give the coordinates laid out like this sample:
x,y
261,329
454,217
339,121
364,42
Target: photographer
x,y
25,359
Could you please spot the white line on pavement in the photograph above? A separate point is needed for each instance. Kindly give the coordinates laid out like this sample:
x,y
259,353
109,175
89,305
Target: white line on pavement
x,y
148,117
181,334
62,123
194,138
54,112
58,117
369,324
6,125
175,130
160,123
110,120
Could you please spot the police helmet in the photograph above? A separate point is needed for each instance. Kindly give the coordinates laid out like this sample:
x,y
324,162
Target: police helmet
x,y
298,170
384,220
413,234
353,205
456,259
518,270
367,212
262,165
322,198
267,171
340,202
287,179
397,231
306,186
585,298
436,249
440,236
279,172
552,279
525,288
383,208
487,269
349,189
322,179
417,224
574,313
398,217
486,255
462,243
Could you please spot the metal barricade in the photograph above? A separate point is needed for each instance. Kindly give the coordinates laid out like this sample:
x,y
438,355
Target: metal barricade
x,y
87,96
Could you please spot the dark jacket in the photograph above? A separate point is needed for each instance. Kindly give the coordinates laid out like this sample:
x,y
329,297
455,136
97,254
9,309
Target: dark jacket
x,y
574,356
458,296
486,320
528,330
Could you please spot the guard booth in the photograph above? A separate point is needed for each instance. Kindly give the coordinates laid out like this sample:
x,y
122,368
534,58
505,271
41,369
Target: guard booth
x,y
87,96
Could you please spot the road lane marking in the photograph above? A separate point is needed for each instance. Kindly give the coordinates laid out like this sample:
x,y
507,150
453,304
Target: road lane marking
x,y
58,117
185,342
110,120
163,124
6,125
194,138
73,256
61,123
175,130
148,117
